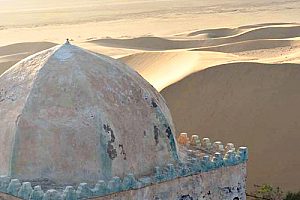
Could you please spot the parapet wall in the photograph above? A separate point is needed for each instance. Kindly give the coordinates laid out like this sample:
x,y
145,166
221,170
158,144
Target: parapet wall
x,y
226,183
206,171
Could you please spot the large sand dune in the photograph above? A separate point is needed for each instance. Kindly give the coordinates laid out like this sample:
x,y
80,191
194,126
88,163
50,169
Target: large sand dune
x,y
164,68
11,54
246,103
250,45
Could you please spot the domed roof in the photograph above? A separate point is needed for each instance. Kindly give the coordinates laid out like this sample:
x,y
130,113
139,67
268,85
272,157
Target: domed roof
x,y
70,116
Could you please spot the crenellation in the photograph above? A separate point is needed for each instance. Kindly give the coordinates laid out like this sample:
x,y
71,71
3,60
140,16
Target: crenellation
x,y
195,141
37,193
129,182
14,187
145,181
83,191
222,149
52,195
100,188
183,139
229,158
183,170
218,160
69,193
25,190
206,163
4,182
196,165
171,172
229,146
206,143
218,147
115,185
158,174
243,153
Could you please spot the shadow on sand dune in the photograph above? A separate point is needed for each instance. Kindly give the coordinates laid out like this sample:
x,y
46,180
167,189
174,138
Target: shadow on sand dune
x,y
253,104
11,54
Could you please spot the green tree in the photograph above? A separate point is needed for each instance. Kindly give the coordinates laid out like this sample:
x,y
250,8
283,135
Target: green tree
x,y
292,196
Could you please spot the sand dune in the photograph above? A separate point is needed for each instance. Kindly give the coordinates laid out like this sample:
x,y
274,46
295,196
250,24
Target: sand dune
x,y
246,103
154,66
266,24
164,68
157,43
215,33
269,33
148,43
11,54
250,45
24,47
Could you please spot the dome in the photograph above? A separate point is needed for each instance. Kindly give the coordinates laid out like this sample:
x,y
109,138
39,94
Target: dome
x,y
68,115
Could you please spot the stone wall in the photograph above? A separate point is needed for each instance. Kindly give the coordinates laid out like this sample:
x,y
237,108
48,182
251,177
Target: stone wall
x,y
227,183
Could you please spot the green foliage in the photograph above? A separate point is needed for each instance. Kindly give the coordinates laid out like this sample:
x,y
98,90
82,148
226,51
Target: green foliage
x,y
268,192
292,196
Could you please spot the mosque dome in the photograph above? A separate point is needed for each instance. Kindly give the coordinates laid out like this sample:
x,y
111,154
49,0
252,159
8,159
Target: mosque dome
x,y
69,115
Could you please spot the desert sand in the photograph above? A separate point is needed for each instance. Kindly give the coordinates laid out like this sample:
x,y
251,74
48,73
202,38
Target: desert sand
x,y
228,70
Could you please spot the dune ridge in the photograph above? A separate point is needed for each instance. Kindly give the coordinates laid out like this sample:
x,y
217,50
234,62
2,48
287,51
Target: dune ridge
x,y
11,54
157,43
154,66
245,103
250,45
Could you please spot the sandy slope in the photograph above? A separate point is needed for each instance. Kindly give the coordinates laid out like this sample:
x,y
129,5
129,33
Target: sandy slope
x,y
11,54
156,43
251,45
164,68
246,103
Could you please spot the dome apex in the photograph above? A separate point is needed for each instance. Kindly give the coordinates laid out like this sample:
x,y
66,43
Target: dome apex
x,y
67,41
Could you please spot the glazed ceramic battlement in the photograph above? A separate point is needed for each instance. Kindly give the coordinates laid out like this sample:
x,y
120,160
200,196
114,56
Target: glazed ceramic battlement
x,y
201,156
196,147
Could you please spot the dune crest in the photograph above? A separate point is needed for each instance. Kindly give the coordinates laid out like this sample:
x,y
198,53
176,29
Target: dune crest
x,y
251,103
159,44
164,68
11,54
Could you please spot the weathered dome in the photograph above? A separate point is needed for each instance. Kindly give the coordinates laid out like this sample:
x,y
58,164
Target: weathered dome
x,y
70,116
